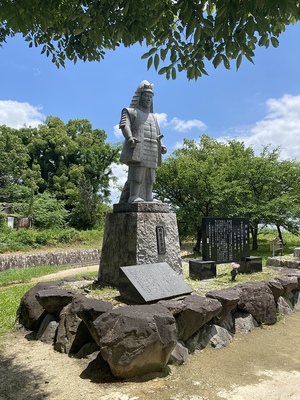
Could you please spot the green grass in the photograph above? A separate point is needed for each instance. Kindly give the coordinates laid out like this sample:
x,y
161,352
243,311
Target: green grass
x,y
30,240
10,298
23,275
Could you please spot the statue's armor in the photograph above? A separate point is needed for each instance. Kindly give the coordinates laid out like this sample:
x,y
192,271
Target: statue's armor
x,y
145,129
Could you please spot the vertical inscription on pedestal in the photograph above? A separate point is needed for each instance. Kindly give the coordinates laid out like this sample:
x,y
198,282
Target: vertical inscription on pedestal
x,y
160,237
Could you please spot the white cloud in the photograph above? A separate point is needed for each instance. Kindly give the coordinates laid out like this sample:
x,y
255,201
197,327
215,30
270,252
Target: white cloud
x,y
117,131
280,127
180,125
16,115
162,119
120,172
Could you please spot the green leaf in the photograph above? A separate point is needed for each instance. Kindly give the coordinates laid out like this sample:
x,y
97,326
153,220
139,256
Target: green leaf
x,y
197,35
263,40
274,41
173,73
190,27
217,60
149,63
163,70
163,53
239,61
225,61
156,61
149,53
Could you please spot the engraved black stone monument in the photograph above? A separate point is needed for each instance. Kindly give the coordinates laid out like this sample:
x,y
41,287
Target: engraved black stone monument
x,y
225,239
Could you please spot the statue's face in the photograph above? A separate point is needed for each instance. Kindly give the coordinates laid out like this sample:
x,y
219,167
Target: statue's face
x,y
146,100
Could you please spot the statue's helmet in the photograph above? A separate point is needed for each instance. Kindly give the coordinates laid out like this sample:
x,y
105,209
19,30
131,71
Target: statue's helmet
x,y
143,87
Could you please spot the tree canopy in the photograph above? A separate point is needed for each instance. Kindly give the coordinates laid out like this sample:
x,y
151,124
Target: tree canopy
x,y
69,163
182,35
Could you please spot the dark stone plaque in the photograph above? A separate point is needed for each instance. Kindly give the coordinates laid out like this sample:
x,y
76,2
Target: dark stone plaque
x,y
161,243
150,282
225,239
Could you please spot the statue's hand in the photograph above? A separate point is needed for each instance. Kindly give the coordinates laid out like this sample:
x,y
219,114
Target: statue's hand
x,y
131,142
163,149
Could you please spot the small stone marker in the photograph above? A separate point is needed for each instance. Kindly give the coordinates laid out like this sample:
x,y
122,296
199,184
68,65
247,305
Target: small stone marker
x,y
251,264
150,282
199,269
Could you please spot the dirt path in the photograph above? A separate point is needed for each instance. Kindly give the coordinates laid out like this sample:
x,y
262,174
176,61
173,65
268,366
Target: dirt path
x,y
67,272
263,364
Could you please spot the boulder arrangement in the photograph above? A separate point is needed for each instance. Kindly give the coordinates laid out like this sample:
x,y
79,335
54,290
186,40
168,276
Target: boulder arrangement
x,y
139,339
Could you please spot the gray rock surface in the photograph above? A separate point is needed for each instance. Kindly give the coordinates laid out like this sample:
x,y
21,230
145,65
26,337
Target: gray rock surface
x,y
257,299
289,283
31,313
228,297
179,355
209,336
244,322
136,340
91,309
53,300
284,306
276,287
197,311
72,333
48,329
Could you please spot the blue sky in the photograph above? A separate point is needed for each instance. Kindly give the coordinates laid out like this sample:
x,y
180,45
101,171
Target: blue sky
x,y
258,104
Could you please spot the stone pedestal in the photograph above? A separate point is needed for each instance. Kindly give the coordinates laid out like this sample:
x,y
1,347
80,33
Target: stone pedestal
x,y
297,252
199,269
136,234
251,264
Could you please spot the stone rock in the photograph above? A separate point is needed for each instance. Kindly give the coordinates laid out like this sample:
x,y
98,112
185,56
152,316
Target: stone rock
x,y
30,313
284,306
229,298
289,283
228,324
257,299
89,350
209,336
244,322
136,340
197,311
48,329
72,333
296,273
276,288
282,262
55,299
179,355
91,309
191,313
296,300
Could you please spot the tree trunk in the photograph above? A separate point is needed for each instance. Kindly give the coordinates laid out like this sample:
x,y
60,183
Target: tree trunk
x,y
197,247
254,232
279,233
